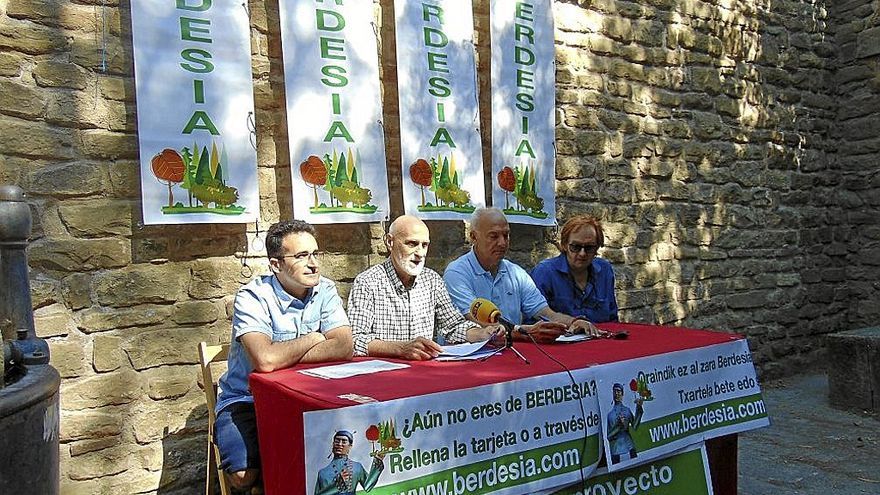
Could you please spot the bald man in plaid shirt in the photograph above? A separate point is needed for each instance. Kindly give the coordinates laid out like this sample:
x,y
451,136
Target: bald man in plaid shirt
x,y
398,308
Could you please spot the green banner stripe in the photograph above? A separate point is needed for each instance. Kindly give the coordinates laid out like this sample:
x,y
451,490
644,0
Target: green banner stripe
x,y
682,473
699,419
514,468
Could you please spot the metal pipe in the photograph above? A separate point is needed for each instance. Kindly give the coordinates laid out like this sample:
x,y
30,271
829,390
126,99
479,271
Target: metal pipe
x,y
16,310
29,407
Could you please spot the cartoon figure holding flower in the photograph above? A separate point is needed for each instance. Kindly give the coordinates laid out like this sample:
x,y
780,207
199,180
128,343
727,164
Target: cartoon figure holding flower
x,y
342,476
620,421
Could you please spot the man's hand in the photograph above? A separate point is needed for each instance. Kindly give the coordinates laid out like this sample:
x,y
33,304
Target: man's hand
x,y
544,332
418,349
574,324
586,327
494,332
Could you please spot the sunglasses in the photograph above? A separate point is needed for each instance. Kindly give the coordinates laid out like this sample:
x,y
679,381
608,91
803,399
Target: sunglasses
x,y
575,248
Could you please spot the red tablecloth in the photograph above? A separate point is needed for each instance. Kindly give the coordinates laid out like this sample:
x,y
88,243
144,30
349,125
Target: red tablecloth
x,y
283,396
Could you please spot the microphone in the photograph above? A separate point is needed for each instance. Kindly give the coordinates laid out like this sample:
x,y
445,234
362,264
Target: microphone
x,y
486,312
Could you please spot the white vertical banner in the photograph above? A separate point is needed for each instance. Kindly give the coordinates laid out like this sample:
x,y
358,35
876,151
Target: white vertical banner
x,y
195,107
334,111
441,153
523,101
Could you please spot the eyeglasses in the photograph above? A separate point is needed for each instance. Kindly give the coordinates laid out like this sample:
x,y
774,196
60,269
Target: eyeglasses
x,y
305,255
574,248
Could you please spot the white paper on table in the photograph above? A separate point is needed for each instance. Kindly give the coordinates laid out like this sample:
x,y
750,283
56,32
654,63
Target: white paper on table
x,y
461,352
353,369
481,354
577,337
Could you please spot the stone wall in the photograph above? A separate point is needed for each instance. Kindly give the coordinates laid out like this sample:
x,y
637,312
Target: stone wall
x,y
731,150
857,132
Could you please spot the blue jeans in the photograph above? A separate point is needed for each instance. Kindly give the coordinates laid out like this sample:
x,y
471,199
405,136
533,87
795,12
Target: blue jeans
x,y
235,433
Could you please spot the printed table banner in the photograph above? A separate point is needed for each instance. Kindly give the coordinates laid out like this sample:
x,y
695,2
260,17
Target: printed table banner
x,y
515,437
685,472
441,152
334,112
195,107
523,106
654,405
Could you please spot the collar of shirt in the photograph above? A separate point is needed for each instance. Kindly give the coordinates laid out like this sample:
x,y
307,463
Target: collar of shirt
x,y
560,264
478,269
286,300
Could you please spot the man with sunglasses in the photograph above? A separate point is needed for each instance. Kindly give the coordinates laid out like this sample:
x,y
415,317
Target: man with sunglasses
x,y
293,315
577,282
485,273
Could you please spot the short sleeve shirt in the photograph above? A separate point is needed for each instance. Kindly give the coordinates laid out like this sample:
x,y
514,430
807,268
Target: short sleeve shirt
x,y
264,306
511,289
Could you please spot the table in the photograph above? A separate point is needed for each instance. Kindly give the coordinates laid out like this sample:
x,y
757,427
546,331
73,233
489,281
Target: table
x,y
282,397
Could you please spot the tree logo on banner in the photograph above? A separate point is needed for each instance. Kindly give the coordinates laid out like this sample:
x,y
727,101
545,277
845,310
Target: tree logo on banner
x,y
387,438
440,176
523,184
338,175
203,174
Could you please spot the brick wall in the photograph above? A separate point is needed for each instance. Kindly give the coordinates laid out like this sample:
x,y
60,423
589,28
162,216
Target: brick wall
x,y
731,150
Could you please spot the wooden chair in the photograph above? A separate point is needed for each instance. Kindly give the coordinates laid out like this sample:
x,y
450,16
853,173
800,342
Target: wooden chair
x,y
208,355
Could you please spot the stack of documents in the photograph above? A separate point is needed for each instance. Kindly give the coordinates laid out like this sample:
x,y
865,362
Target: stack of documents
x,y
464,352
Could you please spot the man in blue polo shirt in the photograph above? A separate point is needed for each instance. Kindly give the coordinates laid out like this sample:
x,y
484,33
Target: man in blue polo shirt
x,y
484,273
294,315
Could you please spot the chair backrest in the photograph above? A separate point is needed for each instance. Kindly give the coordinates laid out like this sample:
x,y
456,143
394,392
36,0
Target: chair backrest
x,y
211,358
212,355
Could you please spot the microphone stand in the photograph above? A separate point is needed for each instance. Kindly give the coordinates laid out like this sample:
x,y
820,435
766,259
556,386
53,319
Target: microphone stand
x,y
508,343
